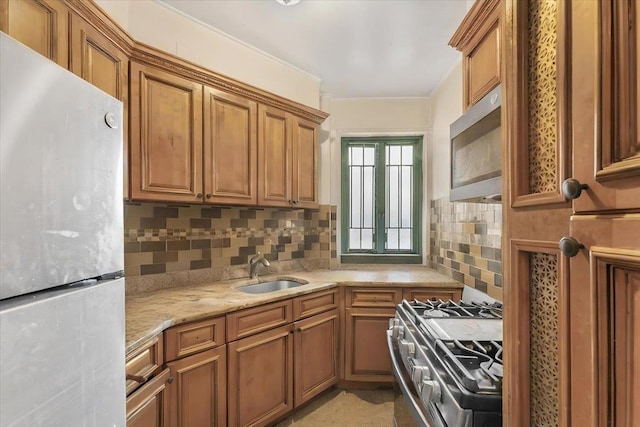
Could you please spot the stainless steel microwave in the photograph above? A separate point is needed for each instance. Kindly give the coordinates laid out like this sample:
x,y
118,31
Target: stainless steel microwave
x,y
476,164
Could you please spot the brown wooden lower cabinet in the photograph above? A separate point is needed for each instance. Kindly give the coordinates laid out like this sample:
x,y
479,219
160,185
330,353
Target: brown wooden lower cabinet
x,y
198,392
366,353
149,405
315,355
260,377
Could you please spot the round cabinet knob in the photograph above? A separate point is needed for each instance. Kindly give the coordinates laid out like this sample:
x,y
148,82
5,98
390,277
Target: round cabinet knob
x,y
431,391
208,196
571,188
570,246
199,195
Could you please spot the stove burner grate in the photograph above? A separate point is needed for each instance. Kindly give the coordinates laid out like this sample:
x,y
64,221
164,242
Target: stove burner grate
x,y
476,364
450,308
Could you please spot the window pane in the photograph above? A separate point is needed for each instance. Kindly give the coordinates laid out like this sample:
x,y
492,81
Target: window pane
x,y
393,154
392,239
354,238
407,193
356,196
356,156
368,192
407,154
367,239
369,156
393,191
405,239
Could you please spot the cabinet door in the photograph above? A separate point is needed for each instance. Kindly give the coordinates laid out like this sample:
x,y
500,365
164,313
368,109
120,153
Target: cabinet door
x,y
366,352
198,391
482,66
230,148
42,25
100,62
305,153
148,407
166,136
261,377
605,104
274,157
605,322
316,355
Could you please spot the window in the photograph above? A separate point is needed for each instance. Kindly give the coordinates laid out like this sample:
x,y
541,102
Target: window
x,y
381,199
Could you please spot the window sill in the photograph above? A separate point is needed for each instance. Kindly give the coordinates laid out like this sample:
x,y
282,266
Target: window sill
x,y
381,259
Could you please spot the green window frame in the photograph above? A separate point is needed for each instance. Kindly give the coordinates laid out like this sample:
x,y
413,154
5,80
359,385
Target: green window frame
x,y
376,222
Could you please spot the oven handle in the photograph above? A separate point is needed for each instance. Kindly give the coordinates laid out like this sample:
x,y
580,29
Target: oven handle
x,y
406,390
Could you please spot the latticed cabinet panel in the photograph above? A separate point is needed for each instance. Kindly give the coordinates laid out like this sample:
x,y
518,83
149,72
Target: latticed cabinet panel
x,y
536,85
541,315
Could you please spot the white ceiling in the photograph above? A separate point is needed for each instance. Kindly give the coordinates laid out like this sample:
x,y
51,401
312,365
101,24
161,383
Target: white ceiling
x,y
357,48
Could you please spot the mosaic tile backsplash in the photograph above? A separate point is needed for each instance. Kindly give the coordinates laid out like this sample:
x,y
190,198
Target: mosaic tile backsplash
x,y
164,238
465,241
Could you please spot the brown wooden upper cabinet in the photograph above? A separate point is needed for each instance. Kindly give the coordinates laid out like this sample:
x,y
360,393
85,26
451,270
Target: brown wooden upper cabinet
x,y
230,148
606,105
287,159
42,25
99,61
193,143
478,38
166,136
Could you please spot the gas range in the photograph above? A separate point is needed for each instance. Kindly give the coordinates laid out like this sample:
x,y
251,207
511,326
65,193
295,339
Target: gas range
x,y
447,358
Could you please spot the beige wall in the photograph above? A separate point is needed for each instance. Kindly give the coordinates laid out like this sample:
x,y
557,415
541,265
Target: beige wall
x,y
446,103
374,116
165,29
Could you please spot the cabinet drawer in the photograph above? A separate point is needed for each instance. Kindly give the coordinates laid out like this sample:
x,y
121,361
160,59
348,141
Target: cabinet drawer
x,y
308,305
149,405
144,362
253,320
432,294
373,297
191,338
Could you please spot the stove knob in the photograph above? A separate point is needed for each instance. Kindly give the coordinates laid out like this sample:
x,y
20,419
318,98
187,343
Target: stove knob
x,y
400,332
419,374
407,349
431,391
394,327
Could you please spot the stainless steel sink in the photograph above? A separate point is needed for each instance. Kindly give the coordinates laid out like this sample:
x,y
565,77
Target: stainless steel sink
x,y
265,287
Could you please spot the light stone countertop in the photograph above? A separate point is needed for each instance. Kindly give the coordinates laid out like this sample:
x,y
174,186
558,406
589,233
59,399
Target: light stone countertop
x,y
151,313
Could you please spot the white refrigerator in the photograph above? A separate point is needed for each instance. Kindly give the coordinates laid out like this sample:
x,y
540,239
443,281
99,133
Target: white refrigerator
x,y
61,247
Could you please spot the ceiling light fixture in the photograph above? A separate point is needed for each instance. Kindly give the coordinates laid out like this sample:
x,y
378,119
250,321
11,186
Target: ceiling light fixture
x,y
288,2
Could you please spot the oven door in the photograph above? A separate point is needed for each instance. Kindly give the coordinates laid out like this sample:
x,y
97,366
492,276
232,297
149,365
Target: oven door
x,y
408,408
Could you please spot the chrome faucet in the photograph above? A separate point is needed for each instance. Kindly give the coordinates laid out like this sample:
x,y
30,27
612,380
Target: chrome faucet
x,y
253,264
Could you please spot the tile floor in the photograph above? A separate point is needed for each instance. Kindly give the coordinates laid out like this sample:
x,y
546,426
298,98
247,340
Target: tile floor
x,y
346,408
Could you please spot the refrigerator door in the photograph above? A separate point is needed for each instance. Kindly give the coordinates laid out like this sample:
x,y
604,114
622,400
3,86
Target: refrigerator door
x,y
61,207
62,357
